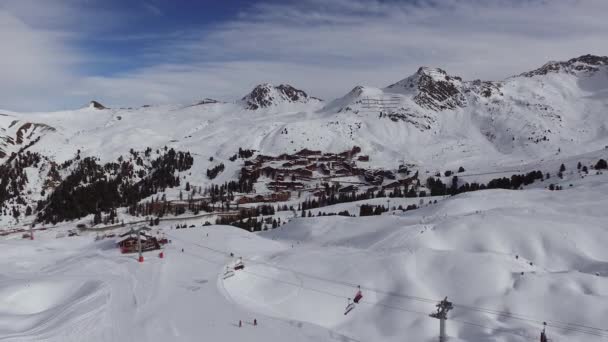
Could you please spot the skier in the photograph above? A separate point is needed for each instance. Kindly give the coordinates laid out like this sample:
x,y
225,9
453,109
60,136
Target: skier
x,y
182,250
543,336
240,323
255,322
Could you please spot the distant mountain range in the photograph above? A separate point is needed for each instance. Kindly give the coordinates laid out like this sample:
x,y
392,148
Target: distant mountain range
x,y
430,119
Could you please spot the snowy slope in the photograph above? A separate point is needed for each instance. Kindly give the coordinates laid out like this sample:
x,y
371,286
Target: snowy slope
x,y
76,290
507,259
472,248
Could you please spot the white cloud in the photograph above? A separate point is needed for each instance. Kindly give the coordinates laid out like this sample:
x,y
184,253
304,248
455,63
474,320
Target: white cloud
x,y
327,47
33,63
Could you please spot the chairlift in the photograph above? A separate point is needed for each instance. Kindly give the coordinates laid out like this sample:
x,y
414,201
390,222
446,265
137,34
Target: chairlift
x,y
358,295
239,264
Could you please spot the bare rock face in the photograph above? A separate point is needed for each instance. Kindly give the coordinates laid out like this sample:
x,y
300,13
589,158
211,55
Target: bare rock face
x,y
438,90
433,89
582,64
96,105
485,89
267,95
207,101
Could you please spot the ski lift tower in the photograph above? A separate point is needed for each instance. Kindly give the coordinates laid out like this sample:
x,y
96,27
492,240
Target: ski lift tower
x,y
442,314
138,232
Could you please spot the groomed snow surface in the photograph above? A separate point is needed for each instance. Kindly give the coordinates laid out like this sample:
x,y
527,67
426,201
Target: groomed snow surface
x,y
507,259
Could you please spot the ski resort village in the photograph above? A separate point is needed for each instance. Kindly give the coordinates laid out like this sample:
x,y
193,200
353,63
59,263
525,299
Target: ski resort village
x,y
161,180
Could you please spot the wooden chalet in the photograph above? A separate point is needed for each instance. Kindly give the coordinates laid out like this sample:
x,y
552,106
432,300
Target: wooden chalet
x,y
129,242
325,169
399,183
279,196
285,185
302,172
262,158
349,188
306,152
254,199
373,177
273,197
286,156
393,185
342,171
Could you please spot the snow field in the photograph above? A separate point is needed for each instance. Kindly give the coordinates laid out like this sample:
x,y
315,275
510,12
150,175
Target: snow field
x,y
507,259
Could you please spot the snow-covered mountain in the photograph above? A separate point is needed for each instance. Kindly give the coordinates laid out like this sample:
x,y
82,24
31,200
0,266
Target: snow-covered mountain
x,y
560,105
431,120
267,95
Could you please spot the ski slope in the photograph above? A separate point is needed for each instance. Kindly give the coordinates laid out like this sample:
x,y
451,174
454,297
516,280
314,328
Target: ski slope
x,y
76,290
509,260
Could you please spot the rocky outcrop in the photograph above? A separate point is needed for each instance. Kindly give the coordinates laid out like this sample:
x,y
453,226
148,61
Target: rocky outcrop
x,y
584,64
96,105
432,89
267,95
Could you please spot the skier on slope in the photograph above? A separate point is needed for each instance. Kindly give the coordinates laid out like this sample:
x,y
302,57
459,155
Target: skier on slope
x,y
543,335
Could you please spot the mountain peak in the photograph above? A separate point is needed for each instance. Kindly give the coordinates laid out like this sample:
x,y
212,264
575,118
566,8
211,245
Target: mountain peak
x,y
266,95
582,64
433,88
96,105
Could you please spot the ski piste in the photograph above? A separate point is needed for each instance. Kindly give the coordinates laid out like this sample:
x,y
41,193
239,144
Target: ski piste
x,y
283,284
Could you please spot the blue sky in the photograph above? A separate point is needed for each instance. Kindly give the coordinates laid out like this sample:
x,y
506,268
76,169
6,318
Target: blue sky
x,y
149,24
60,54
